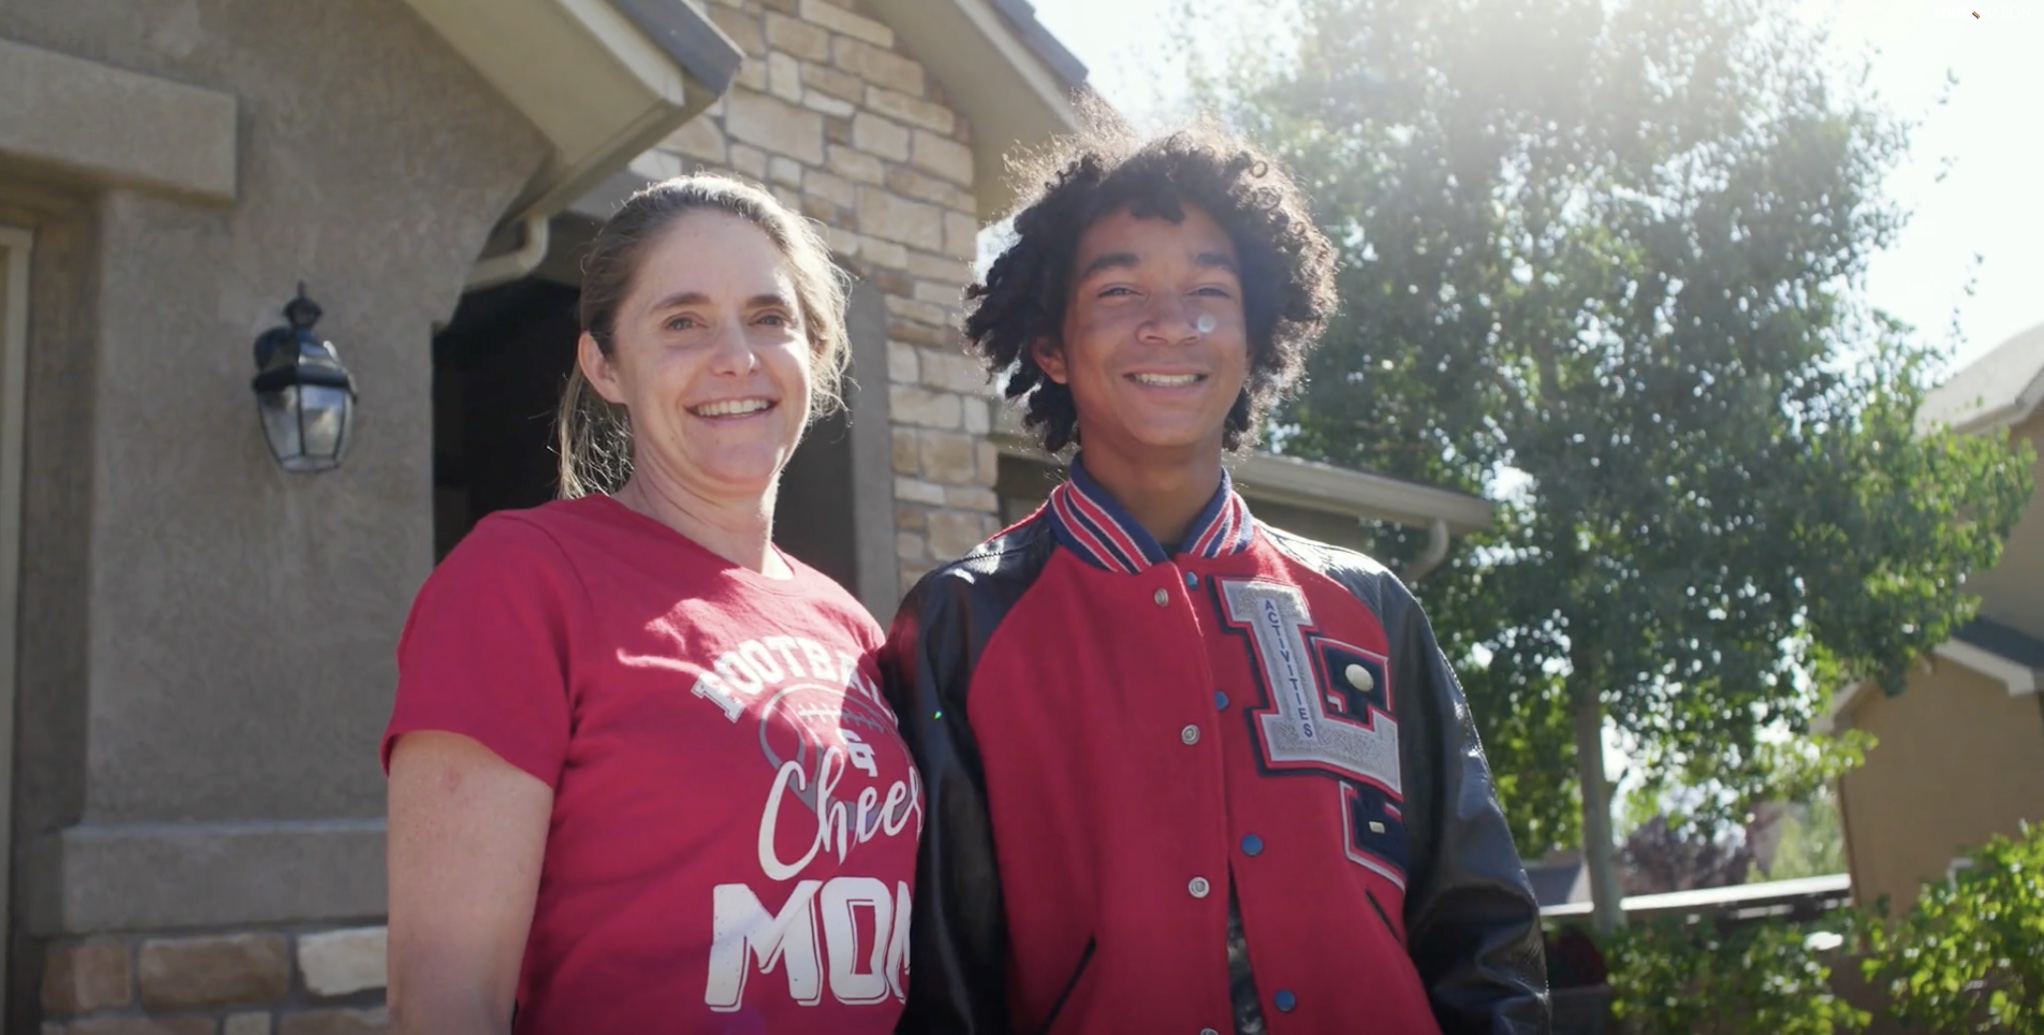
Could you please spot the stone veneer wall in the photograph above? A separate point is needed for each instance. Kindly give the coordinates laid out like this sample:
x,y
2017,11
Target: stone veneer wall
x,y
283,982
832,113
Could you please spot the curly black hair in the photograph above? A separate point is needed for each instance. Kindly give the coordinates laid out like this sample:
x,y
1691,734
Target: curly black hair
x,y
1287,265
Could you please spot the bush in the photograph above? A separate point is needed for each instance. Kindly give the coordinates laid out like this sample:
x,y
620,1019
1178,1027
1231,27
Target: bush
x,y
1767,978
1970,956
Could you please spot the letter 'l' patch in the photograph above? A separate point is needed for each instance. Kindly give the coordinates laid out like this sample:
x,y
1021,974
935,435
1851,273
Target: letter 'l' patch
x,y
1329,712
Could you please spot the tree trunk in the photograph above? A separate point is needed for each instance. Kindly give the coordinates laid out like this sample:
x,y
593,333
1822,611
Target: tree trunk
x,y
1599,852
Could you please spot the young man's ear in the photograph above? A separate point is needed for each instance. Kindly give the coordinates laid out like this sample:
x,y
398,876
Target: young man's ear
x,y
1049,358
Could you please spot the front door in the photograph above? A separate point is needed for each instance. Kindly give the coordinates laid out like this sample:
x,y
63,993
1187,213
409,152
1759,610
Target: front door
x,y
14,245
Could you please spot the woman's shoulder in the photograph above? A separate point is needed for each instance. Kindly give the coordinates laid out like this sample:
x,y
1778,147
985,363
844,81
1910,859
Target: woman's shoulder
x,y
545,530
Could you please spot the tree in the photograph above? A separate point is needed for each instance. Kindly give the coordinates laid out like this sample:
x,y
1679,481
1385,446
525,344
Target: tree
x,y
1807,839
1660,856
1604,261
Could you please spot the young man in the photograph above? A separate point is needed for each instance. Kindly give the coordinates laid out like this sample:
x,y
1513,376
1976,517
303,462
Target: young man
x,y
1186,773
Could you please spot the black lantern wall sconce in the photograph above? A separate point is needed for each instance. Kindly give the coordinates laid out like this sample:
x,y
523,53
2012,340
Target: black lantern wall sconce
x,y
305,397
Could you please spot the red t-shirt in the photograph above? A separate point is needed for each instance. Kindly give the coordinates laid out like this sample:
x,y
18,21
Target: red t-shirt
x,y
732,847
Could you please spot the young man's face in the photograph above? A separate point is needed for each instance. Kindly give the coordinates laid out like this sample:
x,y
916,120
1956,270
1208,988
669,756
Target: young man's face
x,y
1155,347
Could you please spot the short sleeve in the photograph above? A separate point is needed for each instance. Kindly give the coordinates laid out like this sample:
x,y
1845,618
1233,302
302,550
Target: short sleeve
x,y
485,650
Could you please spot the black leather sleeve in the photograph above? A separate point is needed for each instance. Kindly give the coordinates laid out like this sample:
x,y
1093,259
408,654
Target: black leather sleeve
x,y
1472,923
958,932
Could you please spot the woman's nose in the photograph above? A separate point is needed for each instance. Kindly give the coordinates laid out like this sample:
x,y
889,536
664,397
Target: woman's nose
x,y
731,352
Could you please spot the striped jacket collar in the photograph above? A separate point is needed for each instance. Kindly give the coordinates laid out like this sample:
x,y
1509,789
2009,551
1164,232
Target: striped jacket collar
x,y
1088,521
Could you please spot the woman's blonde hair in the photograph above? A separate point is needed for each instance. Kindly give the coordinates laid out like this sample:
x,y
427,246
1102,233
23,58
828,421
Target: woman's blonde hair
x,y
594,436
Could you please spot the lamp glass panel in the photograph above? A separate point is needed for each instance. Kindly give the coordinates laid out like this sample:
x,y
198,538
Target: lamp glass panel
x,y
325,420
279,411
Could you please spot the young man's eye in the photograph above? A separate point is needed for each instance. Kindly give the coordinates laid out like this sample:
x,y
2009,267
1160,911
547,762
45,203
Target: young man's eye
x,y
774,320
1215,291
1116,291
681,323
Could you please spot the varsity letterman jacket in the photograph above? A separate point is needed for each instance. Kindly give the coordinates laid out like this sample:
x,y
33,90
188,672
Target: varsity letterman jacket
x,y
1230,788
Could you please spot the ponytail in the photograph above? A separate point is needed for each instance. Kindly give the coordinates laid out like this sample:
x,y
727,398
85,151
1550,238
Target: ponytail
x,y
594,439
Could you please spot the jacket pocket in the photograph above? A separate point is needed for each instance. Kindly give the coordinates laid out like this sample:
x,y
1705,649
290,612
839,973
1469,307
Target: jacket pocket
x,y
1058,1005
1389,927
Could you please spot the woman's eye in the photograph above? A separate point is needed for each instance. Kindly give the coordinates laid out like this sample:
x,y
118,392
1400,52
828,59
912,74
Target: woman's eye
x,y
681,323
1214,291
774,319
1117,290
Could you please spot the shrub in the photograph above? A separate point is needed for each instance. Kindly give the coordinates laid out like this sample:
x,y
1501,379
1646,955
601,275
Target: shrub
x,y
1694,978
1970,956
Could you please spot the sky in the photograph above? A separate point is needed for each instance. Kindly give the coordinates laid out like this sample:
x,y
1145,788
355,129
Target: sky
x,y
1981,224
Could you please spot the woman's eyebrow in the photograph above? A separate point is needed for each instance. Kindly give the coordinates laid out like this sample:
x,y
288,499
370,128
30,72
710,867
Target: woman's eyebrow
x,y
678,300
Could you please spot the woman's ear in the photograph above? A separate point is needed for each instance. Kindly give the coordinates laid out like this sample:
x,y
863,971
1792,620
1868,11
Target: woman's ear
x,y
1049,358
598,370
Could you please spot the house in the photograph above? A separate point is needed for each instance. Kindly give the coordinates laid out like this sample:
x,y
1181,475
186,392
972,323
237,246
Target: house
x,y
200,642
1961,750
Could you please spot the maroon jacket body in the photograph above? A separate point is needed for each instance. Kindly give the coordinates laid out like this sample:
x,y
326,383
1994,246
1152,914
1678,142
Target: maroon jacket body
x,y
1228,788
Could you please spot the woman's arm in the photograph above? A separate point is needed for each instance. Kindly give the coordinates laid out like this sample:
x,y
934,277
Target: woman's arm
x,y
467,835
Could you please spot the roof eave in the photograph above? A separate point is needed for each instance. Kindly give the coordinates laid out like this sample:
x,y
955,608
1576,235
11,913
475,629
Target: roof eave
x,y
602,80
1310,485
2016,677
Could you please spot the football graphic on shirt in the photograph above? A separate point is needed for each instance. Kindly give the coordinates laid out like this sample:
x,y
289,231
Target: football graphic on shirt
x,y
807,722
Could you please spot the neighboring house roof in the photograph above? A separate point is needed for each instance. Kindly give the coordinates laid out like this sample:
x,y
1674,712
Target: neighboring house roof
x,y
603,80
2001,388
1986,646
2005,643
1559,882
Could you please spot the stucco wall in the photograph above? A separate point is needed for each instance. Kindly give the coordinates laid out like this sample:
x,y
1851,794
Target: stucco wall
x,y
209,640
1959,760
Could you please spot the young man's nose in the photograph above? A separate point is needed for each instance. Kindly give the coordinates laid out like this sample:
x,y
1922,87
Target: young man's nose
x,y
1171,320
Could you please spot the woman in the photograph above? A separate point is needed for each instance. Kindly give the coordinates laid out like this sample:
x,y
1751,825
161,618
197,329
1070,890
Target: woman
x,y
641,776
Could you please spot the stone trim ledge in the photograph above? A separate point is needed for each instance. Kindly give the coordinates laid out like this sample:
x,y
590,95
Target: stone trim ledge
x,y
96,879
265,981
114,127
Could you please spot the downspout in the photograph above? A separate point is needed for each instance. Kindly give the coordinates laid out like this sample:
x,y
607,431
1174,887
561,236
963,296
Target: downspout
x,y
1436,552
502,269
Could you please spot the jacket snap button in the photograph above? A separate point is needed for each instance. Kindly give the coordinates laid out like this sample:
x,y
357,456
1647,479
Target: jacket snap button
x,y
1285,1000
1208,1031
1199,887
1191,581
1161,598
1359,677
1190,734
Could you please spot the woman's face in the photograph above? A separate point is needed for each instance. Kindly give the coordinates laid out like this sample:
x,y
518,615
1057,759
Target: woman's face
x,y
711,358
